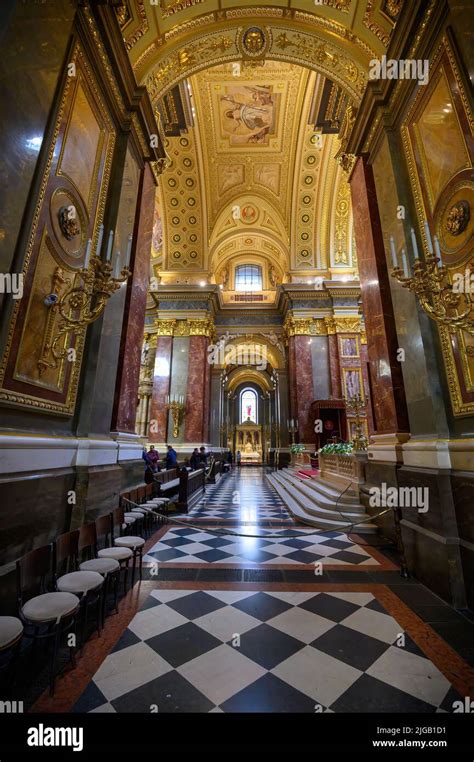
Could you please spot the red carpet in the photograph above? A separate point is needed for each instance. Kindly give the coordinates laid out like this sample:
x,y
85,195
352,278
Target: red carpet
x,y
308,473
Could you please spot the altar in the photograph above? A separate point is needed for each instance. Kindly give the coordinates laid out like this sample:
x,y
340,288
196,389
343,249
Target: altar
x,y
248,439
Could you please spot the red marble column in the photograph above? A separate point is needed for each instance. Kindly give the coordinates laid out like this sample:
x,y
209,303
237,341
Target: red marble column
x,y
389,403
292,379
197,391
161,387
334,366
365,377
301,385
128,371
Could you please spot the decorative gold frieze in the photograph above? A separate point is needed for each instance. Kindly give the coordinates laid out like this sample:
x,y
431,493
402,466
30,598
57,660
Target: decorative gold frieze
x,y
342,325
303,47
175,6
187,327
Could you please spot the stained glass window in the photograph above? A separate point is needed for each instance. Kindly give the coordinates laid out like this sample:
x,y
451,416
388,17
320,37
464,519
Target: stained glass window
x,y
248,406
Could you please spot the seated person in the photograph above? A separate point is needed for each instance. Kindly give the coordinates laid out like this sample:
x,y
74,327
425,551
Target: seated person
x,y
195,459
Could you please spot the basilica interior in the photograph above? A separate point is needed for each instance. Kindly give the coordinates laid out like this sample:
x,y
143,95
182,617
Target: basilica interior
x,y
243,231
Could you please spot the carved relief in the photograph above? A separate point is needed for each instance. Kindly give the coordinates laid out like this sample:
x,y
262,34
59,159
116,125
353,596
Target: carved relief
x,y
458,218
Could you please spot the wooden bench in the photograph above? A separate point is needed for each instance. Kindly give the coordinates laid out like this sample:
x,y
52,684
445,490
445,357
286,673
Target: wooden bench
x,y
215,472
191,488
166,483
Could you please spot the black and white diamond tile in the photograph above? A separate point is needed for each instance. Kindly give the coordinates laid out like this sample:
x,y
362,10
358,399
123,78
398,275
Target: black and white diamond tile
x,y
189,545
242,496
246,651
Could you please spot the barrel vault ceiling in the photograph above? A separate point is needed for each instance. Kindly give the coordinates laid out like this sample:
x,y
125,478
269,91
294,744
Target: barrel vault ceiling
x,y
252,174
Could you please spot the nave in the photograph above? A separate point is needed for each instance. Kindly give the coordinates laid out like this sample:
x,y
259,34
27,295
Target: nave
x,y
224,621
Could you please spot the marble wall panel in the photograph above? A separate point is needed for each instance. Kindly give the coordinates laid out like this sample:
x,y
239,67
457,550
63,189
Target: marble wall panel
x,y
128,375
197,394
320,367
161,387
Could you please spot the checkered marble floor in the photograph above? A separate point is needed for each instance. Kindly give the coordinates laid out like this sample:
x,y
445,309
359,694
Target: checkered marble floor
x,y
188,545
242,495
246,651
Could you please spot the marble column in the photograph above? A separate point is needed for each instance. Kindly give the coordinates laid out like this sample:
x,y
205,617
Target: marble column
x,y
368,394
161,386
388,393
128,373
198,391
334,366
301,386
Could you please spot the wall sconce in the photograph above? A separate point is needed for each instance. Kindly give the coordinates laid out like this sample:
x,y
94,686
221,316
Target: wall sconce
x,y
81,305
177,405
430,284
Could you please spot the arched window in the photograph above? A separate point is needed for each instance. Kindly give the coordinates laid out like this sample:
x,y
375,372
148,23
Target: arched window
x,y
248,406
248,278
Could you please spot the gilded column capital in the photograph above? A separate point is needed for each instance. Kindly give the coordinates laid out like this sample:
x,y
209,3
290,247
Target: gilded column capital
x,y
165,327
304,327
186,327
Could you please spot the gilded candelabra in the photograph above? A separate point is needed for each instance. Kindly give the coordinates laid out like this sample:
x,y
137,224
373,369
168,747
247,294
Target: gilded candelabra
x,y
176,405
82,303
452,308
356,405
292,426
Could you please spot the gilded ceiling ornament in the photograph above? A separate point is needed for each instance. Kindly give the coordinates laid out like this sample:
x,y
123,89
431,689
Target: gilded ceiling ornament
x,y
458,218
375,28
123,14
253,41
168,9
67,217
347,161
393,7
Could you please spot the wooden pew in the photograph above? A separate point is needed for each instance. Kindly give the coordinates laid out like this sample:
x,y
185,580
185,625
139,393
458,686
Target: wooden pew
x,y
166,483
191,488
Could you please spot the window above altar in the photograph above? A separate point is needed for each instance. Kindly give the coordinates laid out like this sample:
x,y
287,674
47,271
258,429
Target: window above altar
x,y
248,278
248,406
